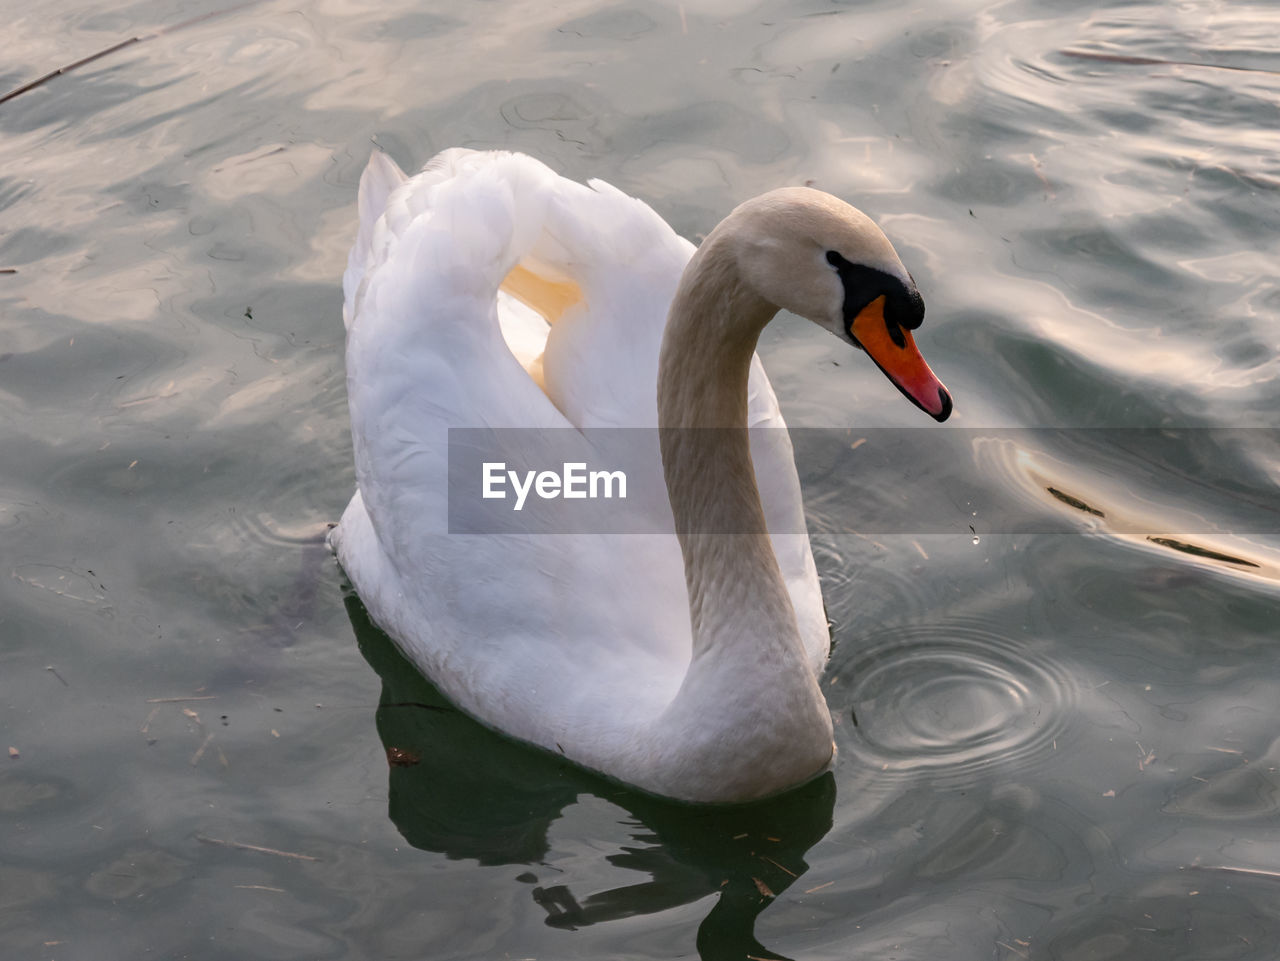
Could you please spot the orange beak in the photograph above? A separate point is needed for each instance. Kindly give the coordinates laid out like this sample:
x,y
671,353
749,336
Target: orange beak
x,y
896,354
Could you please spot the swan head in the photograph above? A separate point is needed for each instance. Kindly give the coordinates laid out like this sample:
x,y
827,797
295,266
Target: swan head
x,y
808,252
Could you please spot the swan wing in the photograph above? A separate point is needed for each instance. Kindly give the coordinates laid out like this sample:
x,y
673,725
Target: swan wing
x,y
596,625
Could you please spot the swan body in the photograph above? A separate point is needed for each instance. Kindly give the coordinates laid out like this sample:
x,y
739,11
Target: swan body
x,y
487,291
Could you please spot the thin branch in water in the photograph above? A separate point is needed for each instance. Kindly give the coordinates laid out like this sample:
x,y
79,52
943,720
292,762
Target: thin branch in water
x,y
146,725
205,839
1137,61
116,47
779,866
195,758
39,81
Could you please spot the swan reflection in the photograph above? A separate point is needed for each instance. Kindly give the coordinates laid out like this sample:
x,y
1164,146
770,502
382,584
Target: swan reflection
x,y
459,789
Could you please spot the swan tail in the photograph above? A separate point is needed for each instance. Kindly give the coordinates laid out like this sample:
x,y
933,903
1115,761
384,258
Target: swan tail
x,y
380,178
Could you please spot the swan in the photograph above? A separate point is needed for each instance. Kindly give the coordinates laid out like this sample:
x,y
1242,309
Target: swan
x,y
488,291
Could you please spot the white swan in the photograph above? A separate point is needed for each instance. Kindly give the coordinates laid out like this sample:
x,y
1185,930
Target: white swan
x,y
686,666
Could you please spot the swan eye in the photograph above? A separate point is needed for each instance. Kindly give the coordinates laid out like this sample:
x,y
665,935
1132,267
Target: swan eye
x,y
903,306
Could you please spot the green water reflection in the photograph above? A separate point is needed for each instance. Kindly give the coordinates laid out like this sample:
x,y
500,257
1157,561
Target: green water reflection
x,y
466,792
1066,743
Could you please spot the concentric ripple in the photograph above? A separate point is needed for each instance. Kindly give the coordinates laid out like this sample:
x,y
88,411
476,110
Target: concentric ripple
x,y
941,702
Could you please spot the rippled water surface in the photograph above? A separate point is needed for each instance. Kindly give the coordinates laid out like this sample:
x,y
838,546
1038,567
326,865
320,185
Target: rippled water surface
x,y
1057,745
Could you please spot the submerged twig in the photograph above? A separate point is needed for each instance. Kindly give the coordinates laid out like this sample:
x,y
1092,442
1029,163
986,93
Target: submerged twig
x,y
1247,872
205,839
146,725
1139,61
780,867
195,758
18,91
115,47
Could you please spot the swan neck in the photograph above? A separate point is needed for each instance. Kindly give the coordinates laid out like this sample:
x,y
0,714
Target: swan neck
x,y
730,567
749,716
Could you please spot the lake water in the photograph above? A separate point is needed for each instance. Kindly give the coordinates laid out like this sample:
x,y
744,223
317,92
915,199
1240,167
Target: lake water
x,y
1067,737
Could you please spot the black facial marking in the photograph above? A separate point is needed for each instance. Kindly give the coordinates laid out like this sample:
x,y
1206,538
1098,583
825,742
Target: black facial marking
x,y
903,306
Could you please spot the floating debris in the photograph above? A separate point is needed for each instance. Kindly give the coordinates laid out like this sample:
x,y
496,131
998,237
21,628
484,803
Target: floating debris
x,y
1129,60
195,758
399,757
146,725
1075,502
205,839
780,867
127,42
1197,551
